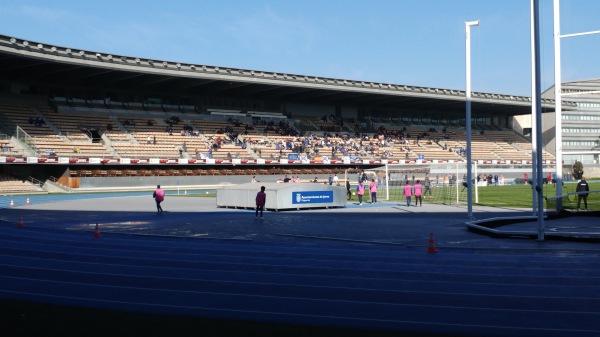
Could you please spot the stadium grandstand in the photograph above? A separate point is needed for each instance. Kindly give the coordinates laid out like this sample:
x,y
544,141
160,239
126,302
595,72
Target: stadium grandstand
x,y
68,116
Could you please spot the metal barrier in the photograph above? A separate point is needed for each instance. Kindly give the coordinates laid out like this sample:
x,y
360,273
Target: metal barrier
x,y
569,200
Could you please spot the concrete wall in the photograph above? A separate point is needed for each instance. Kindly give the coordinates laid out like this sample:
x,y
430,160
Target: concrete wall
x,y
302,110
189,182
281,196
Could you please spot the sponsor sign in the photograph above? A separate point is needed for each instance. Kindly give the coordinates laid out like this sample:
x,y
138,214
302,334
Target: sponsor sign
x,y
292,156
312,197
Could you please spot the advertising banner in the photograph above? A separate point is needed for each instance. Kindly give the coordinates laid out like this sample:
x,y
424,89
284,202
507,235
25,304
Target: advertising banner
x,y
312,197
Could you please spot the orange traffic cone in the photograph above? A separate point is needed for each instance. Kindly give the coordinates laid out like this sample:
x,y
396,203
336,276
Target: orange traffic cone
x,y
431,248
97,231
27,202
21,224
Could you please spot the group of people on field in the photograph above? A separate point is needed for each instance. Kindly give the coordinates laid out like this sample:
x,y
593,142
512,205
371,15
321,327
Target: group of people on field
x,y
360,190
418,190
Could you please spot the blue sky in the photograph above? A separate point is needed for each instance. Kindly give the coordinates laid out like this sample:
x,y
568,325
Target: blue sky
x,y
412,42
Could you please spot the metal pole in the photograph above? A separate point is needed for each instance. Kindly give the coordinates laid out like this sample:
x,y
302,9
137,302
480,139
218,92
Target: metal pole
x,y
476,184
558,105
536,114
456,184
468,26
534,104
387,183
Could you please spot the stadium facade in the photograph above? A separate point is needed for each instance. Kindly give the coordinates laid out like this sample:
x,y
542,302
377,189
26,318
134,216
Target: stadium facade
x,y
35,68
83,82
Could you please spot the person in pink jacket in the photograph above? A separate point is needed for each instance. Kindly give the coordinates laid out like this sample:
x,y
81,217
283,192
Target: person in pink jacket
x,y
360,190
373,190
159,196
261,199
418,193
407,193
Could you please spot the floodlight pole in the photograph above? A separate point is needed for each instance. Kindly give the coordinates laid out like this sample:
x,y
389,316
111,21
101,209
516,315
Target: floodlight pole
x,y
468,26
558,106
535,103
536,114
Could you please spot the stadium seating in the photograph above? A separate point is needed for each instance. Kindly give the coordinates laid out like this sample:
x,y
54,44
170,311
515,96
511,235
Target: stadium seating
x,y
136,130
9,184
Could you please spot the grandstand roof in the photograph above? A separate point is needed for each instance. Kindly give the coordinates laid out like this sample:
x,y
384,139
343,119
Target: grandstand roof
x,y
30,62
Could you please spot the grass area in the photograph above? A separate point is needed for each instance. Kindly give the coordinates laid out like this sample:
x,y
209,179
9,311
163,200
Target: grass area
x,y
514,196
521,196
503,196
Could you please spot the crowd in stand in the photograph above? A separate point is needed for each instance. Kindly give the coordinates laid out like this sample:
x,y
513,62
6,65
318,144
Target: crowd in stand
x,y
335,138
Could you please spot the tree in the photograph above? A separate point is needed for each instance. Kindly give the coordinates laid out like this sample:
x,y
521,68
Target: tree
x,y
577,170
